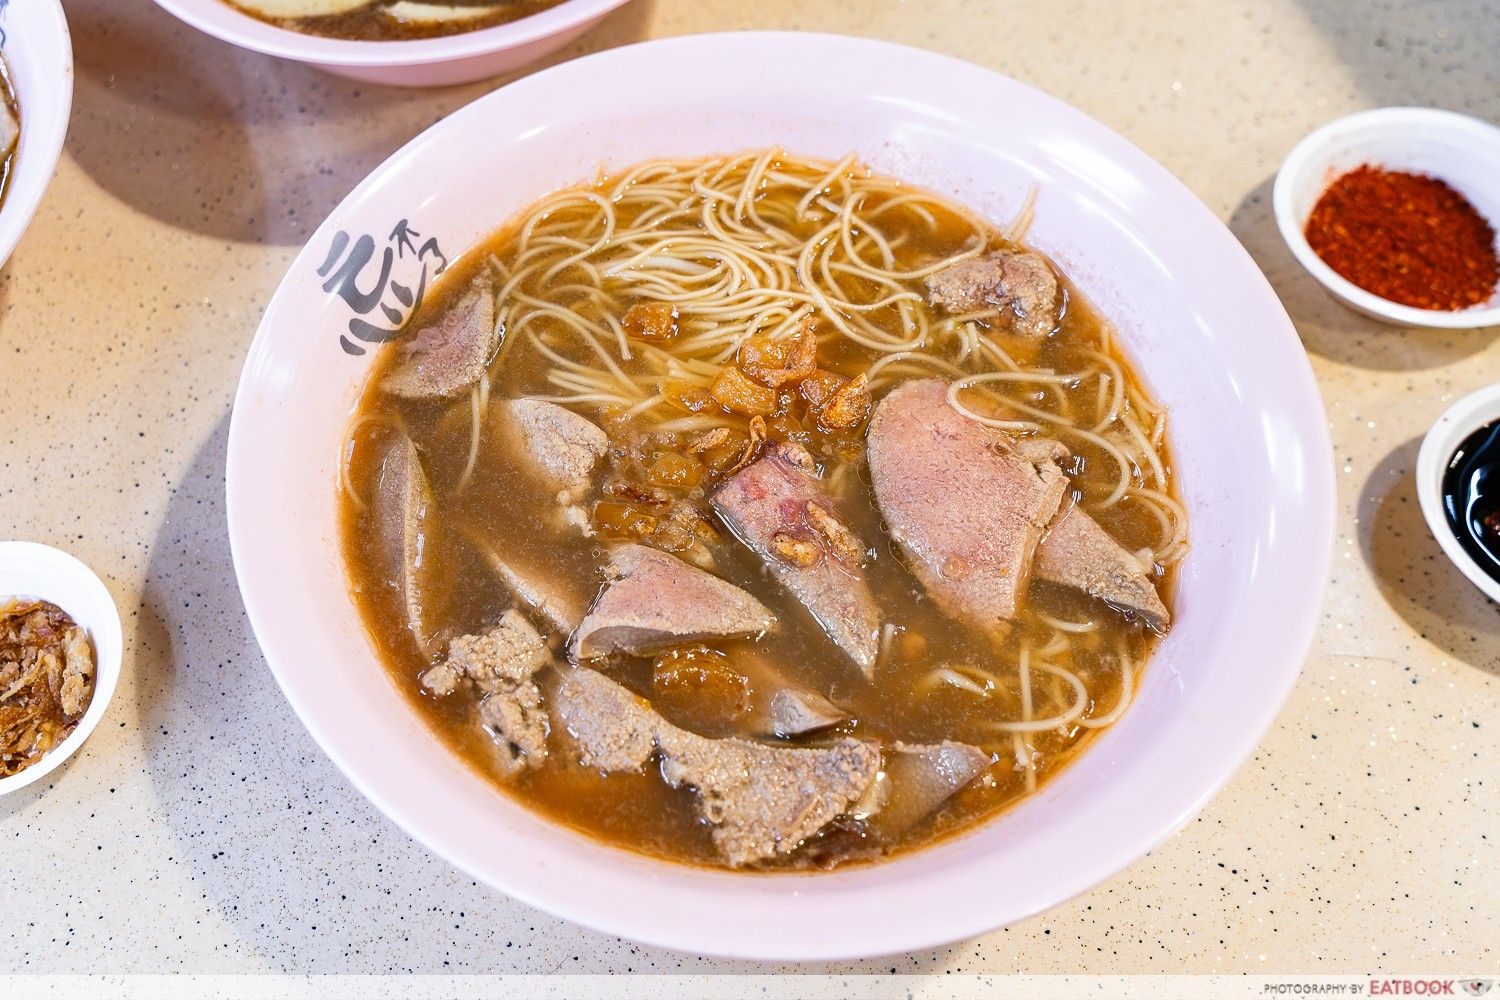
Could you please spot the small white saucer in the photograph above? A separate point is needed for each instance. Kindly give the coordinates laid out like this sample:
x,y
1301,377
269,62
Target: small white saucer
x,y
1461,419
1456,149
30,570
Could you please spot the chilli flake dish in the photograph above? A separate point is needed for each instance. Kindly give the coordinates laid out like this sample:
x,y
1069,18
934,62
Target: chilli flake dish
x,y
687,407
1402,201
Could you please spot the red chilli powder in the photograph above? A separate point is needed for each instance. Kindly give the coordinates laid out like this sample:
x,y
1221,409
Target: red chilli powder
x,y
1407,238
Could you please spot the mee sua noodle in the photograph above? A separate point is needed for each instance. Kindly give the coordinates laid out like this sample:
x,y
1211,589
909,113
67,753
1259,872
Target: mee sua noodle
x,y
761,512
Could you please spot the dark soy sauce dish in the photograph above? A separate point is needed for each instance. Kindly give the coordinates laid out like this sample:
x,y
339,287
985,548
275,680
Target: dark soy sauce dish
x,y
1471,496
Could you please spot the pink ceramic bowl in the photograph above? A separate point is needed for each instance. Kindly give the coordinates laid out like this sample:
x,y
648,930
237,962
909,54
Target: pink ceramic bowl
x,y
429,62
1247,428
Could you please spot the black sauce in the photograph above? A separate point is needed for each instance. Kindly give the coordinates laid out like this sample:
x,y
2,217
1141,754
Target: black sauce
x,y
1471,496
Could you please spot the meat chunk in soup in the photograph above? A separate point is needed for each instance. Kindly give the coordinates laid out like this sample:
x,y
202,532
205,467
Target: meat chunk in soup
x,y
777,507
761,801
964,502
797,712
403,500
1020,284
656,600
765,801
920,778
613,728
1078,553
561,603
563,446
501,665
450,355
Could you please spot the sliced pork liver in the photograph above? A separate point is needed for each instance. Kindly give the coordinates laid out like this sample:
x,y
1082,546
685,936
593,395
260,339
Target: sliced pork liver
x,y
501,665
761,801
402,501
613,728
777,508
1020,283
965,503
1077,552
765,801
797,711
561,603
451,354
564,447
656,600
920,778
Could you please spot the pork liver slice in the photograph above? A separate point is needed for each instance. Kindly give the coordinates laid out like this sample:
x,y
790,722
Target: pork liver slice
x,y
1077,552
657,601
770,498
563,446
451,354
1020,283
922,777
765,801
501,665
761,801
966,504
614,728
402,501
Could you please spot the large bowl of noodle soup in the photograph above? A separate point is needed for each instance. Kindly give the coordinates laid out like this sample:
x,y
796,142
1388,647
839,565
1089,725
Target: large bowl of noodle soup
x,y
1189,310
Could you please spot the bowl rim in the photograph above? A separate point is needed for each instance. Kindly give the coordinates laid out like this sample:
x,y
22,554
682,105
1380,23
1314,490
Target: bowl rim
x,y
107,668
1294,635
1307,154
229,24
41,143
1457,422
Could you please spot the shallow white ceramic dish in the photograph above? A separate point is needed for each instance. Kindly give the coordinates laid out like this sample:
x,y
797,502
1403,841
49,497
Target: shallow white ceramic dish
x,y
1459,421
39,571
427,62
1463,151
39,53
1248,432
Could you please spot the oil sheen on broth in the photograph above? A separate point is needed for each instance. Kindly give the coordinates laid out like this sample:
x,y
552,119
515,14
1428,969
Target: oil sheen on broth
x,y
662,304
394,20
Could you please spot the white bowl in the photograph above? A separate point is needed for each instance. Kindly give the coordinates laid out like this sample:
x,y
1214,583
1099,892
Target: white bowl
x,y
1248,435
427,62
1463,151
1449,431
39,53
36,571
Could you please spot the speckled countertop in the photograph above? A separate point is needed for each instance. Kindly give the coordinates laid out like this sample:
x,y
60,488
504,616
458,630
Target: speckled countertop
x,y
201,829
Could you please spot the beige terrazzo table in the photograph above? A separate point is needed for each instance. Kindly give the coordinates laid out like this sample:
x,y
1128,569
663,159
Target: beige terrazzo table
x,y
201,829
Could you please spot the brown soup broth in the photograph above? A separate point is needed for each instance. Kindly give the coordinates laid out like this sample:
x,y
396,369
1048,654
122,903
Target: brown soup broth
x,y
371,24
501,507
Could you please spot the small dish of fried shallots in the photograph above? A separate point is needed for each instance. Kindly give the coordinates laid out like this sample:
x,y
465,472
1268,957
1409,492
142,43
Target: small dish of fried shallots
x,y
60,650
